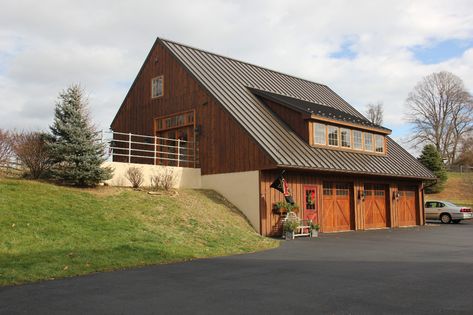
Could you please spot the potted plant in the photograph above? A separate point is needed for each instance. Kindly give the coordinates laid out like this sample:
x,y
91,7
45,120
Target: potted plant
x,y
283,207
289,226
314,229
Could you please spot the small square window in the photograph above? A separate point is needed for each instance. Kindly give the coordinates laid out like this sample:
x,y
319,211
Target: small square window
x,y
157,87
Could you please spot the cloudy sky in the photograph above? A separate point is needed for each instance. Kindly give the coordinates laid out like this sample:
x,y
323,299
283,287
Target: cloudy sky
x,y
367,51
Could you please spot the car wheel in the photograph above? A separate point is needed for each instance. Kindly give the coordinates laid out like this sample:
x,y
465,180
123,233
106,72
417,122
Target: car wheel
x,y
456,221
445,218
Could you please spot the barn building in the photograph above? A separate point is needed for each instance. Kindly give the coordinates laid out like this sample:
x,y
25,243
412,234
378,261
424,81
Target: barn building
x,y
242,124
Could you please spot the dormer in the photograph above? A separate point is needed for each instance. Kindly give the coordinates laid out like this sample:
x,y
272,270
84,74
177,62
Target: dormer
x,y
327,127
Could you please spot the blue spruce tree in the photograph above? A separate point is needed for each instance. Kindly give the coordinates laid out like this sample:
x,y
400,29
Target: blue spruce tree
x,y
74,144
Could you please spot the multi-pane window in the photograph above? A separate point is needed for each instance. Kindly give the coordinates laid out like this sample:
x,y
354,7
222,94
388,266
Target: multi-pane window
x,y
320,136
345,137
368,141
332,135
379,143
175,121
157,87
327,188
357,140
342,189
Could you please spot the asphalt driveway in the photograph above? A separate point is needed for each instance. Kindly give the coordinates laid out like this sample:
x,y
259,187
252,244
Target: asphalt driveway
x,y
419,270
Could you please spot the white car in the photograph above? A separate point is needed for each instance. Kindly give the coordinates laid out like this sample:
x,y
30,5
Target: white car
x,y
446,211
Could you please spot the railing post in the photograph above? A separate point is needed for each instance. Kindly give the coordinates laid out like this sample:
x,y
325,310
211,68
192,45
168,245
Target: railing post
x,y
178,151
155,142
129,147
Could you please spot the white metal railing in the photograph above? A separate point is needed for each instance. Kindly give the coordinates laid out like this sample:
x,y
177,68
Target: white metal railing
x,y
135,148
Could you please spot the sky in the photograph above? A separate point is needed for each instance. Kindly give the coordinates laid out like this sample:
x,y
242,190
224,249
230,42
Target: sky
x,y
366,51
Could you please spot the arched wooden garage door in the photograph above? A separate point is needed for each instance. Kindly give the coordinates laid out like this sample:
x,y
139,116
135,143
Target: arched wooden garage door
x,y
337,214
376,213
407,206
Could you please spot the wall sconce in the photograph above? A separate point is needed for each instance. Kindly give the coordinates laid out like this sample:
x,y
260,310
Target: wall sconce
x,y
396,195
198,130
361,195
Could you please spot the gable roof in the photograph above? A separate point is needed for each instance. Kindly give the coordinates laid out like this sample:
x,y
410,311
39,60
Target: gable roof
x,y
230,81
317,109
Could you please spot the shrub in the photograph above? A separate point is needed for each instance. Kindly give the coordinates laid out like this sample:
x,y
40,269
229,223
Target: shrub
x,y
135,176
163,180
432,159
30,149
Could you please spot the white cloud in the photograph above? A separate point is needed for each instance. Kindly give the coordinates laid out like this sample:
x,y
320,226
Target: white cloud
x,y
101,44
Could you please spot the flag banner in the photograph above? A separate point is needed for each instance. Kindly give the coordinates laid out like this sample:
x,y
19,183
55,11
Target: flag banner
x,y
280,184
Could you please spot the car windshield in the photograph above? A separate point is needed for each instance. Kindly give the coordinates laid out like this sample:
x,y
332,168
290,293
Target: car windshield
x,y
449,204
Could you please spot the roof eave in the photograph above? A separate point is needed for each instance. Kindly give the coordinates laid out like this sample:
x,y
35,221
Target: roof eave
x,y
351,172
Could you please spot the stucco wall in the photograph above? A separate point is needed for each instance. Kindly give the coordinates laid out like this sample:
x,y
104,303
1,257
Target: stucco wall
x,y
184,177
241,189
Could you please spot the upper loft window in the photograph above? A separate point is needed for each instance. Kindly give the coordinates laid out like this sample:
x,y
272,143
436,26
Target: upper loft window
x,y
157,87
347,138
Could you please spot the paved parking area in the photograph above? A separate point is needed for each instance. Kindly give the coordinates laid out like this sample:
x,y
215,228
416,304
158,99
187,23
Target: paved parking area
x,y
423,270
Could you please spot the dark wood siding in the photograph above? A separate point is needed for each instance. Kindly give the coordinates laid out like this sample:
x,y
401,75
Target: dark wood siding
x,y
298,180
223,144
294,119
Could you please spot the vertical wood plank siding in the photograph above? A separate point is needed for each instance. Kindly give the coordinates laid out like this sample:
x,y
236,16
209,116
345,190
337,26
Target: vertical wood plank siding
x,y
296,182
223,145
295,120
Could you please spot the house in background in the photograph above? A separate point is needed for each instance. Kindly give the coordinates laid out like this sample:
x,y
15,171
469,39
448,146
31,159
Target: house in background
x,y
242,125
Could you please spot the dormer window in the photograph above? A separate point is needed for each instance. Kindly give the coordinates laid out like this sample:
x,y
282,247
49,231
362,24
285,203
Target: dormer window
x,y
357,140
335,137
368,141
345,137
379,143
157,87
320,134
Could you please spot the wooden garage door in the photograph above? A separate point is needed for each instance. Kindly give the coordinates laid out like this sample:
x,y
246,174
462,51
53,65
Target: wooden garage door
x,y
376,211
337,214
407,206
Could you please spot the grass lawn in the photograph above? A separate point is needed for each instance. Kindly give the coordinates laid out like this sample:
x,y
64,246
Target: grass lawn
x,y
48,231
457,189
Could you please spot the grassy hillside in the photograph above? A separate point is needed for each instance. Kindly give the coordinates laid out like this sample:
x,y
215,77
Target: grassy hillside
x,y
47,231
458,189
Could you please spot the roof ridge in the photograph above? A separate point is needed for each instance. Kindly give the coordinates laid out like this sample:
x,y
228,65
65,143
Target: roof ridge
x,y
241,61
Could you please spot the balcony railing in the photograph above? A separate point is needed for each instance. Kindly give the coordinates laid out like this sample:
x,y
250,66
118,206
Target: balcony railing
x,y
143,149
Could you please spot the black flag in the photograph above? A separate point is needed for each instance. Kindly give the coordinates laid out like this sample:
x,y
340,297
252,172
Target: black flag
x,y
280,185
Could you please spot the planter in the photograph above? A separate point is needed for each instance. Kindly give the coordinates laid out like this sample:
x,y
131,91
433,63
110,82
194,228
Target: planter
x,y
314,233
289,235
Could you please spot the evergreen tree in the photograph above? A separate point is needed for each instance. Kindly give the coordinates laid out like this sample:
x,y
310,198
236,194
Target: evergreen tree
x,y
432,159
74,145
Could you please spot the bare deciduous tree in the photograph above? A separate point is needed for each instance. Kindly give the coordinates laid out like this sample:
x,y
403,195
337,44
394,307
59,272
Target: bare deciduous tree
x,y
441,111
5,147
30,149
375,112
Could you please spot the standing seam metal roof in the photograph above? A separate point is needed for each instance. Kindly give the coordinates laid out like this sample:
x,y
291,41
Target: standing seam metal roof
x,y
230,81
